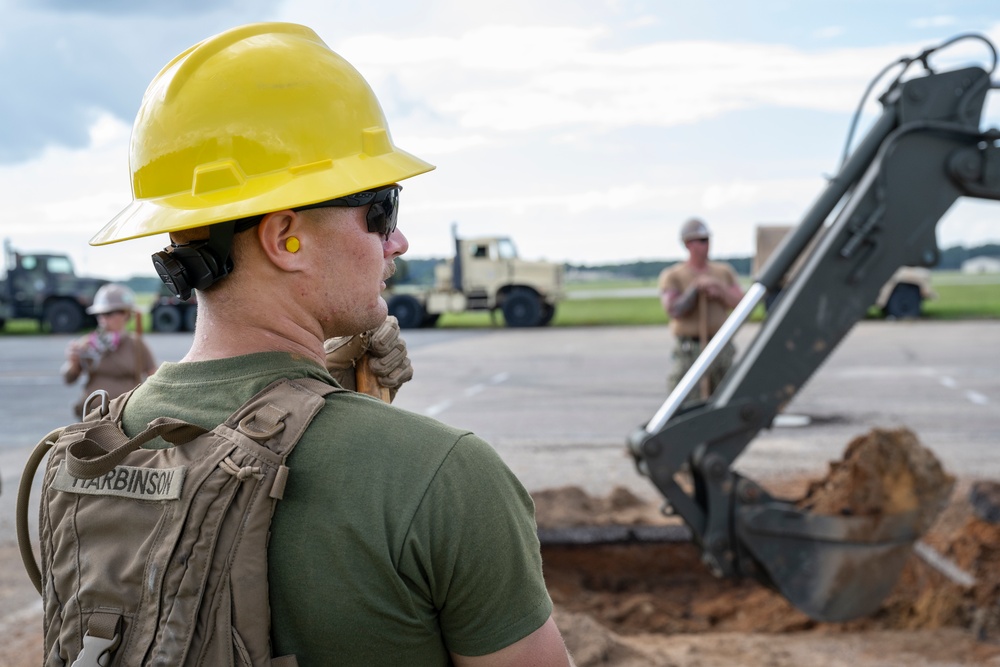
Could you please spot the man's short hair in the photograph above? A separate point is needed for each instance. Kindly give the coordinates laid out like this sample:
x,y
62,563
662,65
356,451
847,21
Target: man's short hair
x,y
694,229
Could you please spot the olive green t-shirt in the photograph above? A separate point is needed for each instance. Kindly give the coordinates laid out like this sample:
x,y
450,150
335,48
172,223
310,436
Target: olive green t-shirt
x,y
398,539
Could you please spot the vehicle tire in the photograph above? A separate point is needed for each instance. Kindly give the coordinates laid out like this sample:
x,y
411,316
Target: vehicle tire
x,y
522,308
190,316
166,319
430,320
905,302
64,317
548,312
407,310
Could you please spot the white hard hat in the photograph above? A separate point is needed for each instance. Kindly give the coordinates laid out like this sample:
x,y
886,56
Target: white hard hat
x,y
694,229
112,297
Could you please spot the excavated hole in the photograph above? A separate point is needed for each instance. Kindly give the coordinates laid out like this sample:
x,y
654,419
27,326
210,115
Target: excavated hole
x,y
664,588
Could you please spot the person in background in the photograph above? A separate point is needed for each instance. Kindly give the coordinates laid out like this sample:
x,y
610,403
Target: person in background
x,y
698,295
109,357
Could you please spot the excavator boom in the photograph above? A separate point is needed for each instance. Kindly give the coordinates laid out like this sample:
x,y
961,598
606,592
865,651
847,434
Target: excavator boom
x,y
878,213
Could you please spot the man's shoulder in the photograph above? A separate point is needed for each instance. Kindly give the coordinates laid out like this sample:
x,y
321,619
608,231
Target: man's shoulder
x,y
722,268
357,413
672,272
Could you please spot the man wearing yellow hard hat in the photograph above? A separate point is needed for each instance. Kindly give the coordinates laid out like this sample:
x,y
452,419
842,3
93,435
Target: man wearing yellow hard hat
x,y
399,540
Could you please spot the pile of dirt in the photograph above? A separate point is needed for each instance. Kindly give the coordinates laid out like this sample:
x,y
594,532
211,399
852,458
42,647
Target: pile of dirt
x,y
883,472
618,591
572,506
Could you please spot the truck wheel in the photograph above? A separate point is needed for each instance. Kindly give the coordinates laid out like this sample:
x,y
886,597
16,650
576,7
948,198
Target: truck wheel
x,y
407,310
522,309
64,317
904,302
166,319
548,312
190,317
430,320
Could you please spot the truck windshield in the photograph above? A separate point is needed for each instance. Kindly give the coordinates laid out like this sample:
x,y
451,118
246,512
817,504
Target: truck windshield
x,y
506,249
60,265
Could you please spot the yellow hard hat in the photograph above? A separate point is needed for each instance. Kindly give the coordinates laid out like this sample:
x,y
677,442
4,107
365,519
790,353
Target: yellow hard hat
x,y
256,119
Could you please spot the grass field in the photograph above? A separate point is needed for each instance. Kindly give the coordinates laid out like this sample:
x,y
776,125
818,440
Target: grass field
x,y
621,302
959,297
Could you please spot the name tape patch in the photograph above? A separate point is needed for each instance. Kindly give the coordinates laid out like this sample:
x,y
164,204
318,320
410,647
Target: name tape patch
x,y
125,481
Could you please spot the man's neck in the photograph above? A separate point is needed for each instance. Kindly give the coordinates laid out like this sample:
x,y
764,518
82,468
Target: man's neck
x,y
218,337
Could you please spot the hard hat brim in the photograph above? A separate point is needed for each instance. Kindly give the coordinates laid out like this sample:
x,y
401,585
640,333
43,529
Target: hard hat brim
x,y
260,194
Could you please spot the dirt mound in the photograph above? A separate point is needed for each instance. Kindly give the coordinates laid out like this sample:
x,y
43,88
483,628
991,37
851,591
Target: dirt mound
x,y
952,581
883,472
572,506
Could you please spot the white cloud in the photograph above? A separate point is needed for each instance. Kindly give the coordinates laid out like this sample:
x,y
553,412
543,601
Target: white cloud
x,y
829,32
941,21
568,132
562,77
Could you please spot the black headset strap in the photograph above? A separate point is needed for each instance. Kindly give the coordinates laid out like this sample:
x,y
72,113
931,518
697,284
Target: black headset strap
x,y
220,243
197,264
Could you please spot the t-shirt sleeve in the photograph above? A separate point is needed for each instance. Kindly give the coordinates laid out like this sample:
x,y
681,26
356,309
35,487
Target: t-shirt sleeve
x,y
473,548
669,280
147,357
731,277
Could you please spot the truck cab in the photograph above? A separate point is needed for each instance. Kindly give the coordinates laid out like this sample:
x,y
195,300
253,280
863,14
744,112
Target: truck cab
x,y
485,274
45,287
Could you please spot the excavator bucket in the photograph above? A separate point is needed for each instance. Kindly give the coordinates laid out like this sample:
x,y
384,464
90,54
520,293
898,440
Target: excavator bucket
x,y
833,568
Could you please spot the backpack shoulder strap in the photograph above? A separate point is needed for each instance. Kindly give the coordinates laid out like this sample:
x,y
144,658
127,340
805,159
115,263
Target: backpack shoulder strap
x,y
285,405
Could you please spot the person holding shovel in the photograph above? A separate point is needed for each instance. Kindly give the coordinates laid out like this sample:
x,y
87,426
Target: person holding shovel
x,y
267,160
109,357
697,295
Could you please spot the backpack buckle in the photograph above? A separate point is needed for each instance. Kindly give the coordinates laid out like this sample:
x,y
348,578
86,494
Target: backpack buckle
x,y
96,651
97,393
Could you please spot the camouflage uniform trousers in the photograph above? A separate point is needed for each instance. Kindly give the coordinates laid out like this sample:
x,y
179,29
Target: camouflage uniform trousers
x,y
685,353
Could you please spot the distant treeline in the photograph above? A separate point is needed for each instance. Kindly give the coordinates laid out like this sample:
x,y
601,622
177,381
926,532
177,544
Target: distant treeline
x,y
421,271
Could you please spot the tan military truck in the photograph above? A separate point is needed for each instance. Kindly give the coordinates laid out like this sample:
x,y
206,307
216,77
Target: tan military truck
x,y
485,274
900,298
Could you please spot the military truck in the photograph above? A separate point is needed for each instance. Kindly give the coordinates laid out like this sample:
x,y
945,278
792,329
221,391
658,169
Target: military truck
x,y
902,297
168,314
485,274
44,287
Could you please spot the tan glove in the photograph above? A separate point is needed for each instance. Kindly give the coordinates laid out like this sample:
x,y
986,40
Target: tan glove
x,y
386,351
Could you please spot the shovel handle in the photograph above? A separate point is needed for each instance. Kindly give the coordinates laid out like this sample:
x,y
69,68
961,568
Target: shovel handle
x,y
706,387
366,381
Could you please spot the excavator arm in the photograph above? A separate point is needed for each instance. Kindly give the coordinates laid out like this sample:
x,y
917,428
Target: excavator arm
x,y
878,213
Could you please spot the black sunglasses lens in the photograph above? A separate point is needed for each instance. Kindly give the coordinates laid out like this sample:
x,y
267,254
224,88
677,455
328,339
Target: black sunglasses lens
x,y
382,214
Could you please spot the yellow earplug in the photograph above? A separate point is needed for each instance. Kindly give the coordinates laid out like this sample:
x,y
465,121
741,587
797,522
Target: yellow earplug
x,y
292,244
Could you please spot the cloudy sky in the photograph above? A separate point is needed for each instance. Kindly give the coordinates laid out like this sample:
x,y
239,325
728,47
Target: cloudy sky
x,y
587,130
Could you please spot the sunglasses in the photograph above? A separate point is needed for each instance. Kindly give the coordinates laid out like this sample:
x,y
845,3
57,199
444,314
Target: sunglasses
x,y
697,240
381,216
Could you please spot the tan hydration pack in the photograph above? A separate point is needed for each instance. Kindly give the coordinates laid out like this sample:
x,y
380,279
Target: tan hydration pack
x,y
159,556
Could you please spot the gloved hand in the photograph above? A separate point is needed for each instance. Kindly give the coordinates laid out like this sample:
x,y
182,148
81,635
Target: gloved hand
x,y
386,351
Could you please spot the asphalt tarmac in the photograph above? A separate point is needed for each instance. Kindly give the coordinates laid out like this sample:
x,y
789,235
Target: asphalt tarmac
x,y
558,403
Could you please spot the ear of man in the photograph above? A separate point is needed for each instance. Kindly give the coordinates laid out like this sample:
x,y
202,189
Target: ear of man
x,y
274,233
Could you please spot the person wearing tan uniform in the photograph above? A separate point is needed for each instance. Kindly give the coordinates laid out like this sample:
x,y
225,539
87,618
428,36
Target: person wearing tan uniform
x,y
109,358
697,295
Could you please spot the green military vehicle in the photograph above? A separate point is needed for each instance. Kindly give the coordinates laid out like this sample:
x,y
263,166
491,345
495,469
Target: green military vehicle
x,y
44,287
